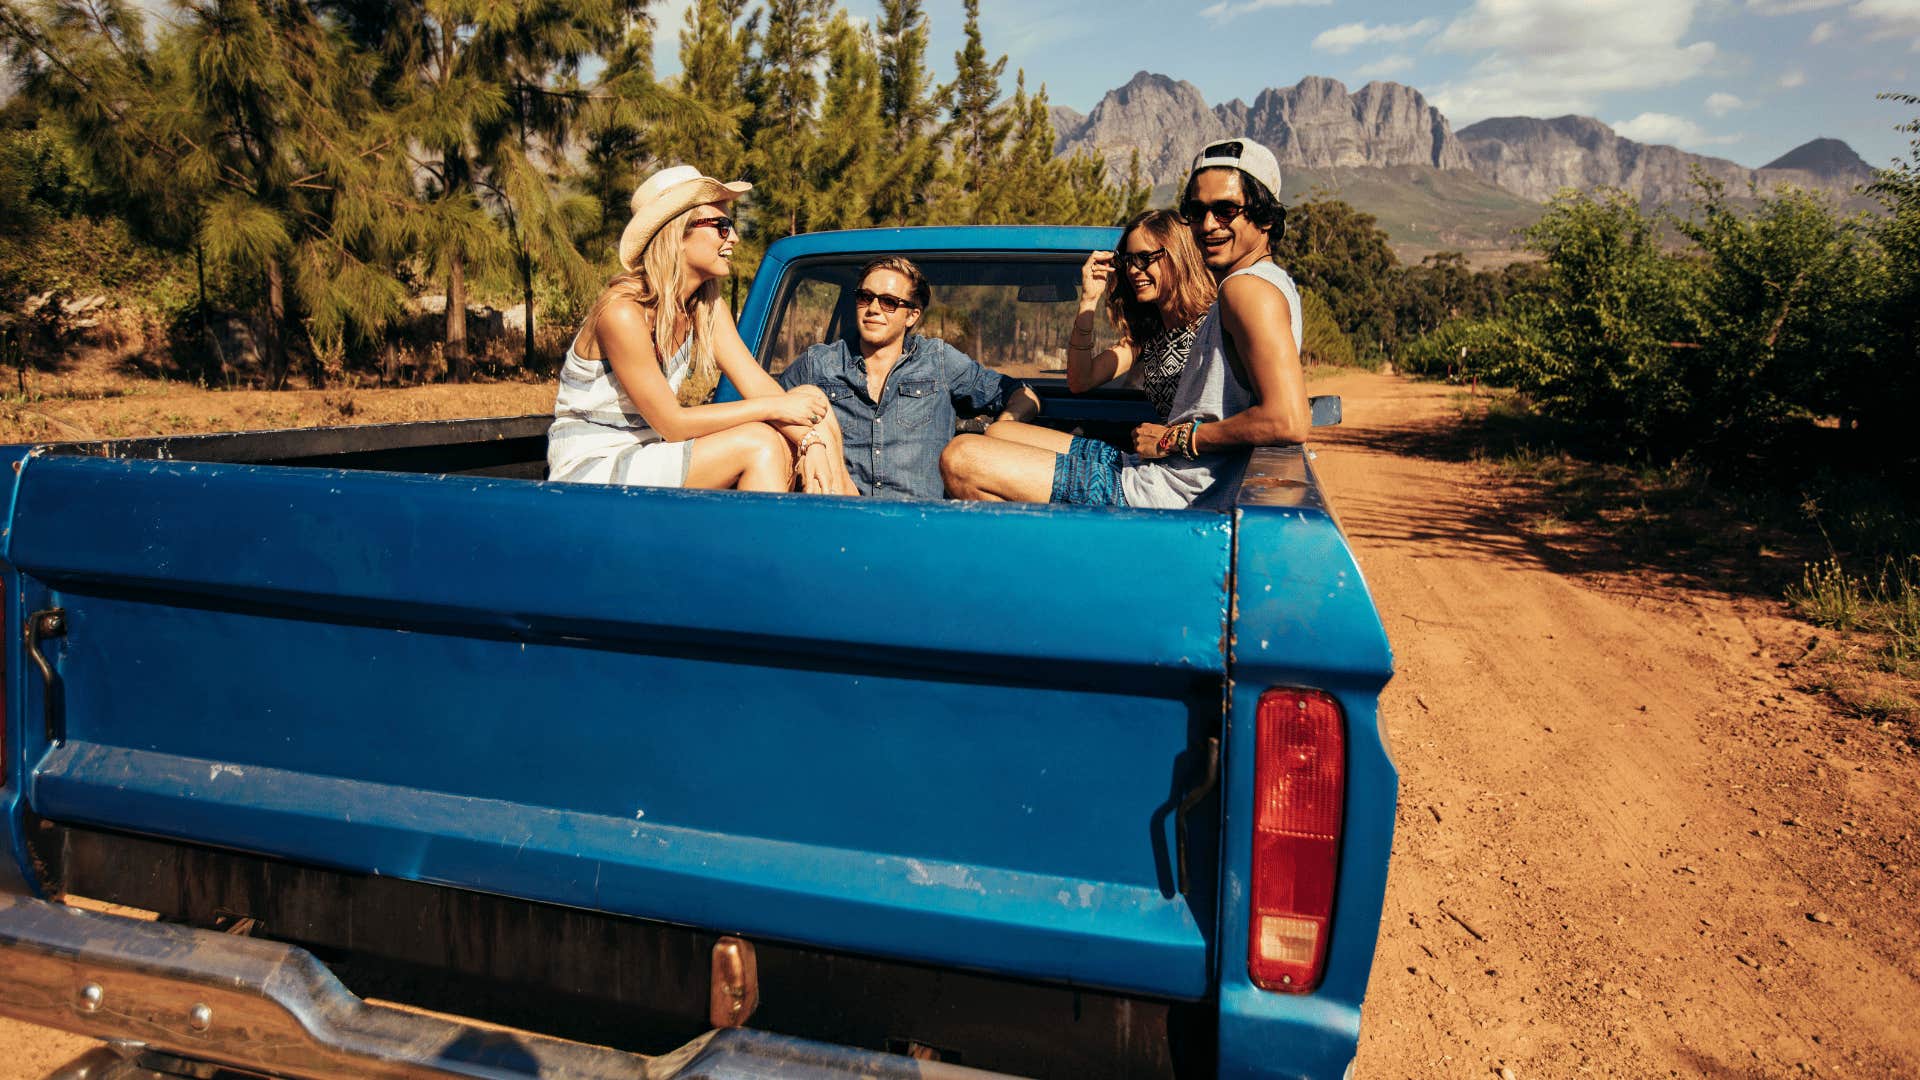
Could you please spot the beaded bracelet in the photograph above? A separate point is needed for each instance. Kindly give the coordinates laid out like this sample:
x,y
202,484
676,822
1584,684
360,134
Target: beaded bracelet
x,y
1183,442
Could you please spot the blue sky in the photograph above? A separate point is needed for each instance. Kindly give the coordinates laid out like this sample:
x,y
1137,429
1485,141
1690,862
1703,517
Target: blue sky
x,y
1743,79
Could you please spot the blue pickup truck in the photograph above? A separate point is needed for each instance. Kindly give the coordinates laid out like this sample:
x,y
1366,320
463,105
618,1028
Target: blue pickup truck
x,y
407,755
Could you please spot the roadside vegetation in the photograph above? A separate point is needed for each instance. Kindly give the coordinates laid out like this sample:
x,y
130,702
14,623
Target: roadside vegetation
x,y
1747,392
268,193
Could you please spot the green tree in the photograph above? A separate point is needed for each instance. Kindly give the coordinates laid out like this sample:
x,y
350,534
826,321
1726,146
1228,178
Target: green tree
x,y
1613,312
1341,254
1789,293
1887,403
1136,191
1032,182
715,46
978,123
850,158
785,94
907,113
251,131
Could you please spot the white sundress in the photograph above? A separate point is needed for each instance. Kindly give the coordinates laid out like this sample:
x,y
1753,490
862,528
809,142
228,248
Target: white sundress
x,y
599,437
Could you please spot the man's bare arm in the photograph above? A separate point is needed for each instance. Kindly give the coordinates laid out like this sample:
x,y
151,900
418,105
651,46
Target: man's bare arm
x,y
1258,321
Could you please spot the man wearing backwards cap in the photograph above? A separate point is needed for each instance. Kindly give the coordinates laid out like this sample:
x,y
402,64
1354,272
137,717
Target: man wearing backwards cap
x,y
1243,385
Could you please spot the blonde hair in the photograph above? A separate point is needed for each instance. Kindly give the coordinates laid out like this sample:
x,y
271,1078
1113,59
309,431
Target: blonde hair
x,y
658,279
1186,278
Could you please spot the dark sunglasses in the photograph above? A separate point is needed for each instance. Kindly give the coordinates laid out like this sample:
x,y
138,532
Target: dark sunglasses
x,y
721,225
1193,210
889,304
1138,260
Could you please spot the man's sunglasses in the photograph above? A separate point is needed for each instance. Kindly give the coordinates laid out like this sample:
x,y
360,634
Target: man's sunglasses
x,y
1139,260
721,225
1193,210
889,304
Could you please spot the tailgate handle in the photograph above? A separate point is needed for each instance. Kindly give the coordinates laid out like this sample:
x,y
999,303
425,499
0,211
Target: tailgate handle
x,y
1208,779
50,623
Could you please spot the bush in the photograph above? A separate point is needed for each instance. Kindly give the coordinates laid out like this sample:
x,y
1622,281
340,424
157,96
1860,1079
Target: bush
x,y
1495,351
1322,340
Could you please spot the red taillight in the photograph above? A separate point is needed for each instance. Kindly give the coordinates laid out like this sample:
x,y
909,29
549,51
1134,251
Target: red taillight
x,y
1299,787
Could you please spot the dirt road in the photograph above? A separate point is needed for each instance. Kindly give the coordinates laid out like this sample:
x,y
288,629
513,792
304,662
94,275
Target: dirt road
x,y
1627,846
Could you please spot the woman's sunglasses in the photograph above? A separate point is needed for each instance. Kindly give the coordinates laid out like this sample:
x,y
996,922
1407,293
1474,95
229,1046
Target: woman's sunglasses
x,y
721,225
862,298
1139,260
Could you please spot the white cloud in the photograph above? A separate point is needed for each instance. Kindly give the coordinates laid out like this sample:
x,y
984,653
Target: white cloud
x,y
1659,128
1790,7
1349,36
1545,57
1720,104
1891,18
1652,127
1397,64
1822,32
1228,10
1793,79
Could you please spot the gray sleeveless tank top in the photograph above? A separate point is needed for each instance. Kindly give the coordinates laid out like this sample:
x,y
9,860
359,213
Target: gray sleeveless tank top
x,y
1208,391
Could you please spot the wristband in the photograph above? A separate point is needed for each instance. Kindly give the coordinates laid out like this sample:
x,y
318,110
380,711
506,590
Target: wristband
x,y
1167,439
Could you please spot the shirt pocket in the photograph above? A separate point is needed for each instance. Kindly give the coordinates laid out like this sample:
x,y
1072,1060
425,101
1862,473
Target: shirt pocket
x,y
916,404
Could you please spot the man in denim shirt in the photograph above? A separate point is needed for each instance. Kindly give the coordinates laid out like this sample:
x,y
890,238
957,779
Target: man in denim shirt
x,y
896,395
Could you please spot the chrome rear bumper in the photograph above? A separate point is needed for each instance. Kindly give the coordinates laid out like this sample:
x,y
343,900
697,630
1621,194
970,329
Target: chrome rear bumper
x,y
273,1008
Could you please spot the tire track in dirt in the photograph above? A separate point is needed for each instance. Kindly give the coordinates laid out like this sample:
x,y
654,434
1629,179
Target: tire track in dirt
x,y
1598,769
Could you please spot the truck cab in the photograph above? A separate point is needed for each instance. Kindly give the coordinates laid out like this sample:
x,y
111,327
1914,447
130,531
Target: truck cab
x,y
689,782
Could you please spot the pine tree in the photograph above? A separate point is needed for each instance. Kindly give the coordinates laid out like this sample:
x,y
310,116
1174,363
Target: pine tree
x,y
491,94
1136,192
852,149
978,122
907,113
784,132
715,45
250,124
1032,180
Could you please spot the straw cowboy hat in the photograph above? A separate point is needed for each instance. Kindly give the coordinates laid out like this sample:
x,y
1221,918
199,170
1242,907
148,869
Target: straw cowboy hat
x,y
666,195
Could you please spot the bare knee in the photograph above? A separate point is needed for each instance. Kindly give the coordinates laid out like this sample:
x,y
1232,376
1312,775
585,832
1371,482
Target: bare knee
x,y
1001,429
767,447
958,456
960,462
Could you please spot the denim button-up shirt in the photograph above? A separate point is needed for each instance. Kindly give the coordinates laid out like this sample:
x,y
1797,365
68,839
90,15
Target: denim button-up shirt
x,y
894,444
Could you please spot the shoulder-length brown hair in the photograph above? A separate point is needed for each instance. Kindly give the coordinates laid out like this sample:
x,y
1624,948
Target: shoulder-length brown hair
x,y
657,280
1186,277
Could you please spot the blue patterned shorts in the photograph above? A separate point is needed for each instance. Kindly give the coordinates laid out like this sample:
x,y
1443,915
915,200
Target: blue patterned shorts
x,y
1088,474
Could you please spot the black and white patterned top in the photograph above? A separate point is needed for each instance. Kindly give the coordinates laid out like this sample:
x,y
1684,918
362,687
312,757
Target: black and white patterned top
x,y
1162,361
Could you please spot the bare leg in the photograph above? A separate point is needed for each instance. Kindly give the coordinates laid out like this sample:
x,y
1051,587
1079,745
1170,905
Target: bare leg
x,y
751,457
1045,438
997,470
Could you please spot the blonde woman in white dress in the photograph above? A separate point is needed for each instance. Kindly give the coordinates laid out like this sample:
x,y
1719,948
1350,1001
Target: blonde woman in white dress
x,y
633,406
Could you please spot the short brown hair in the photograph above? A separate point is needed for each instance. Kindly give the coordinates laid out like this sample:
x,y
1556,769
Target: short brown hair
x,y
1187,278
900,264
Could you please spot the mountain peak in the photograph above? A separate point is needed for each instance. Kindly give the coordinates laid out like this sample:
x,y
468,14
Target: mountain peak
x,y
1314,123
1829,159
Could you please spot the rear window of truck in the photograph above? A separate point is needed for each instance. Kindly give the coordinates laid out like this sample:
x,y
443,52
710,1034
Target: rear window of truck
x,y
1011,312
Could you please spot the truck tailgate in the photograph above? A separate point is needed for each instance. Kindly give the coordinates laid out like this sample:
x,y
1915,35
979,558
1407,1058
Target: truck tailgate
x,y
927,731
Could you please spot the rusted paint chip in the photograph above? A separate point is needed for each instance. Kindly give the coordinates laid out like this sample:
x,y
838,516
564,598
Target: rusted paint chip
x,y
735,992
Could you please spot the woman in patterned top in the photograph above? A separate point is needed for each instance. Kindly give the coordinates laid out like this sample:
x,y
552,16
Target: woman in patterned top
x,y
1162,293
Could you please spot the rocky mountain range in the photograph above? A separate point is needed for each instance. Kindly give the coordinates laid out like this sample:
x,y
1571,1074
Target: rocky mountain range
x,y
1317,124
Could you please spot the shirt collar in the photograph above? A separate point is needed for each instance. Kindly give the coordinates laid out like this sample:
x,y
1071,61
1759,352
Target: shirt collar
x,y
854,358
